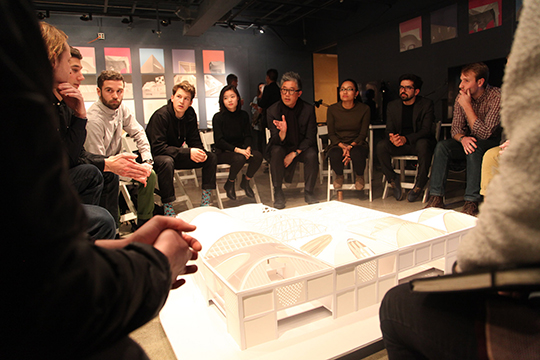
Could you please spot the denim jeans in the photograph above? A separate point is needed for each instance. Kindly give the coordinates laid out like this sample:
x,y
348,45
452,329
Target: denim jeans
x,y
101,224
451,149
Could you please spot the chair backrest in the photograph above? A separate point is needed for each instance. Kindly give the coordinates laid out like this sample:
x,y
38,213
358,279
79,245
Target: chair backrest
x,y
438,126
207,139
321,131
128,144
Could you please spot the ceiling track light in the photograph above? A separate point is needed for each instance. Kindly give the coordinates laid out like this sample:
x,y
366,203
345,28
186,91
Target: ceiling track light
x,y
127,20
41,15
86,17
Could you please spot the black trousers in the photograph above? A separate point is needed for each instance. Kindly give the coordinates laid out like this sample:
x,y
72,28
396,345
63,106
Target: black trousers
x,y
109,196
237,162
358,158
164,166
278,171
423,148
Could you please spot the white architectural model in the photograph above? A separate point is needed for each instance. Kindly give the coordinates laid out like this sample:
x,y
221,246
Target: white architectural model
x,y
259,265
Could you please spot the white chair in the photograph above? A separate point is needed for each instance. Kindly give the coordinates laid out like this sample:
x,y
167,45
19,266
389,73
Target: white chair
x,y
184,175
300,176
399,167
222,172
322,130
351,186
128,145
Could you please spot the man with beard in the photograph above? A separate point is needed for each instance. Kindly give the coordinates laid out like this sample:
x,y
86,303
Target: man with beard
x,y
476,128
107,119
409,132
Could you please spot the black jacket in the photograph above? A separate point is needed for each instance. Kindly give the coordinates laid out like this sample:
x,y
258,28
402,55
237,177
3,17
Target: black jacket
x,y
166,133
72,130
62,297
307,125
423,119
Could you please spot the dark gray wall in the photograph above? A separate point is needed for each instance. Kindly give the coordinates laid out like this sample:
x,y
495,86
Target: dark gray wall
x,y
248,54
374,54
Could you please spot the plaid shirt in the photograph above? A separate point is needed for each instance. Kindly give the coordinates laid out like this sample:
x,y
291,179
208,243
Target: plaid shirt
x,y
486,108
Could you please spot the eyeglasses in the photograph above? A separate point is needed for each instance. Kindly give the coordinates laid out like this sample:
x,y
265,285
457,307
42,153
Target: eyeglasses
x,y
406,87
288,91
347,89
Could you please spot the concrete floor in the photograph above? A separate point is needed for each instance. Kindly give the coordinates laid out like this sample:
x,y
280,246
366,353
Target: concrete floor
x,y
152,337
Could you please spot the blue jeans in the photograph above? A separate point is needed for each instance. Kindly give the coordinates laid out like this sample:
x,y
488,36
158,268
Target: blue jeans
x,y
451,149
101,224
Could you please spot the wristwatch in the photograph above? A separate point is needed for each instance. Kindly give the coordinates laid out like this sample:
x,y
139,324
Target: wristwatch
x,y
297,152
149,161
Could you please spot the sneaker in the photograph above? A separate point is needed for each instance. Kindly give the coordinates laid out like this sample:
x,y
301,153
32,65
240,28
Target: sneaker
x,y
279,199
229,189
310,197
359,183
398,191
435,201
245,185
470,208
414,194
338,182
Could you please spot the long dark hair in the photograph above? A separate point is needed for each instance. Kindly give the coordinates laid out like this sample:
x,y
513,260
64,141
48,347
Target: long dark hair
x,y
222,107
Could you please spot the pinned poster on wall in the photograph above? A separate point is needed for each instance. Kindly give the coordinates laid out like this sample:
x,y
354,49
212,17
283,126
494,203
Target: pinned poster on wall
x,y
213,84
150,106
214,61
118,59
184,61
484,14
444,24
152,61
410,34
88,61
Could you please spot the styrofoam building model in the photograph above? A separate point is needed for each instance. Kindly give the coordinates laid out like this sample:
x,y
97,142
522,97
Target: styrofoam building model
x,y
260,265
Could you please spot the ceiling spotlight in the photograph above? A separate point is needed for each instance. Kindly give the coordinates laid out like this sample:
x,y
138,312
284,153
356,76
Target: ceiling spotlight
x,y
85,17
41,15
127,20
232,26
166,22
261,30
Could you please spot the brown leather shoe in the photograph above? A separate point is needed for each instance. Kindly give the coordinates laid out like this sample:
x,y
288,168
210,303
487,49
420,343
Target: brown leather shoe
x,y
338,182
359,183
414,194
470,208
435,201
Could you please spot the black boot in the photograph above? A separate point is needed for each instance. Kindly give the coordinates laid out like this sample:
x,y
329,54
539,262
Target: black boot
x,y
229,188
245,185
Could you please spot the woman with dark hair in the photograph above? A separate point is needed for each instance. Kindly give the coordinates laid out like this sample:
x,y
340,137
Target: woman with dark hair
x,y
232,141
348,123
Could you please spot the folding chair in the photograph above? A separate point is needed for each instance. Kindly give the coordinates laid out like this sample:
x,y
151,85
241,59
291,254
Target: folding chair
x,y
222,172
351,186
399,166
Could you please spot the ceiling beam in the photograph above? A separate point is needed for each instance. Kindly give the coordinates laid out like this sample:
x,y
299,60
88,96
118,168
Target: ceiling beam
x,y
209,13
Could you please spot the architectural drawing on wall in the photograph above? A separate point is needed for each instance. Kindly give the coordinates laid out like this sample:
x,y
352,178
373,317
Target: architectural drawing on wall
x,y
212,107
444,24
484,14
213,84
131,106
128,88
192,79
184,61
195,106
88,61
410,34
152,61
88,87
153,86
150,106
214,61
118,59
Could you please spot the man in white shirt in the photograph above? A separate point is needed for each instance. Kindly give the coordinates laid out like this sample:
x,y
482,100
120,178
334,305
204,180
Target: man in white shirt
x,y
107,119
